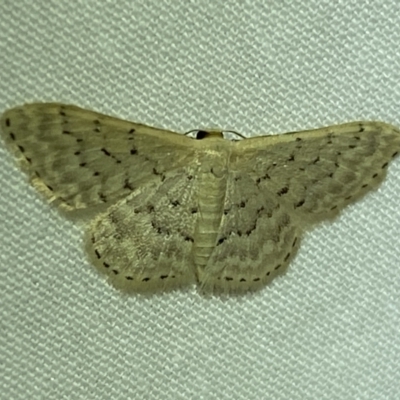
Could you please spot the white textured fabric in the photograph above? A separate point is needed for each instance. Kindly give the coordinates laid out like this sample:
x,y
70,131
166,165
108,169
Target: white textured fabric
x,y
328,329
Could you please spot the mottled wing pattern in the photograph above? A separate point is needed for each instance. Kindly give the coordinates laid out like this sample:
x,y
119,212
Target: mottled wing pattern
x,y
83,158
316,173
144,242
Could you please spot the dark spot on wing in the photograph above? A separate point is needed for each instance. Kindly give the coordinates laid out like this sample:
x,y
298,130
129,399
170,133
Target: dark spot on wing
x,y
96,173
97,253
131,131
264,177
82,164
107,153
220,241
299,204
283,191
228,278
251,229
145,279
385,165
133,151
316,160
65,132
260,210
155,172
103,198
12,136
129,278
105,264
8,122
127,185
160,230
175,203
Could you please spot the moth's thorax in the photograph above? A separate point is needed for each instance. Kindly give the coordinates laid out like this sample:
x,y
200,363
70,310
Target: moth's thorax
x,y
215,145
214,159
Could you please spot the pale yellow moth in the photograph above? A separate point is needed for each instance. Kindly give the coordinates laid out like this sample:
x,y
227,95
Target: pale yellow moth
x,y
226,214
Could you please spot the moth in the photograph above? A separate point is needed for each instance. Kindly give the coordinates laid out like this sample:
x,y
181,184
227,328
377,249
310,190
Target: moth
x,y
228,215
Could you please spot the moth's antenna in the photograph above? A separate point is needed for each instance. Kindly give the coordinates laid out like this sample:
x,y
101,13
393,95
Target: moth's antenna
x,y
236,133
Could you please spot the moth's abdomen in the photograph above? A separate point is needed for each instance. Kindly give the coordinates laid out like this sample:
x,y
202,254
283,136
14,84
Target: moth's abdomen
x,y
211,196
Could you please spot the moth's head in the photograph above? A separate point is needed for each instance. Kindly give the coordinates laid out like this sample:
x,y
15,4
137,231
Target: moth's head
x,y
211,134
199,135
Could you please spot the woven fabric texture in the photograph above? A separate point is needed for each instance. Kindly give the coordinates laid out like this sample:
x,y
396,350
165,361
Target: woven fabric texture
x,y
328,329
